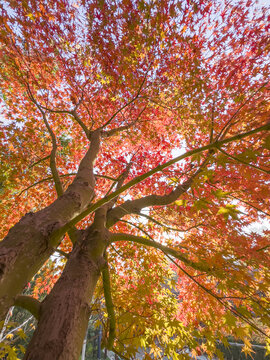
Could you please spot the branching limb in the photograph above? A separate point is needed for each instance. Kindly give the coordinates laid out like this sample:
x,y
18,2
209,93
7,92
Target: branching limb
x,y
55,174
109,305
141,240
129,102
134,206
72,112
119,183
229,124
80,122
227,306
158,168
122,128
28,303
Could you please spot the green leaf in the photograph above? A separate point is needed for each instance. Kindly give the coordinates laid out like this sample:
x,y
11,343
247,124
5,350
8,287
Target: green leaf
x,y
181,202
228,210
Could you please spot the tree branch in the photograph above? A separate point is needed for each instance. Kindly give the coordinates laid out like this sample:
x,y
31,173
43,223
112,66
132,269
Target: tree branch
x,y
134,206
158,168
119,182
44,180
57,182
227,126
39,161
168,227
28,303
229,307
72,112
109,305
244,162
122,128
80,122
129,102
141,240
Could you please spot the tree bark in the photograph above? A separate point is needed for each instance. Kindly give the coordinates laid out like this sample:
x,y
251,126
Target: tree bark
x,y
65,311
31,241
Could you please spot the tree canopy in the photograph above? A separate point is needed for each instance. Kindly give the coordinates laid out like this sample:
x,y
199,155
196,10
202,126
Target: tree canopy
x,y
135,145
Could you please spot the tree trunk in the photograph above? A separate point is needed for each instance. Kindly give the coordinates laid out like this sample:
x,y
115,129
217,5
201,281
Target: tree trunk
x,y
65,311
31,241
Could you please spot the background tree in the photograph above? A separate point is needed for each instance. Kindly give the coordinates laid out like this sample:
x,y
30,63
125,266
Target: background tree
x,y
100,98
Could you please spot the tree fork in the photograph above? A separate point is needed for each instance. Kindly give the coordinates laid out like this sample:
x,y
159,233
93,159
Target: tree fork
x,y
31,242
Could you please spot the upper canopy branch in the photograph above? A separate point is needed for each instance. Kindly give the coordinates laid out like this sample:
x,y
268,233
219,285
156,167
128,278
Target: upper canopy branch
x,y
130,101
55,174
122,128
229,123
244,162
155,221
155,170
72,112
147,242
134,206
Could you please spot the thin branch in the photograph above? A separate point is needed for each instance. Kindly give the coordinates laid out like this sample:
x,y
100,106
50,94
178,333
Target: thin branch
x,y
134,206
106,177
120,181
17,328
138,227
128,103
244,162
168,227
72,112
227,126
80,122
118,353
55,174
212,123
44,180
122,128
7,318
251,205
29,303
219,299
109,305
141,240
39,161
243,201
155,170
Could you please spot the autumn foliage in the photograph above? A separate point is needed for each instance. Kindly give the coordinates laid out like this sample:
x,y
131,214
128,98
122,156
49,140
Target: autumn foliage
x,y
136,134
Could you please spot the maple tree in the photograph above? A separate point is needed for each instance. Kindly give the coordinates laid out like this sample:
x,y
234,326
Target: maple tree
x,y
135,145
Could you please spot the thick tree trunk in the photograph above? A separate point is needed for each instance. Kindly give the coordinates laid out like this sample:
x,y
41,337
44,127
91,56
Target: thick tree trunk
x,y
28,245
31,241
65,311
